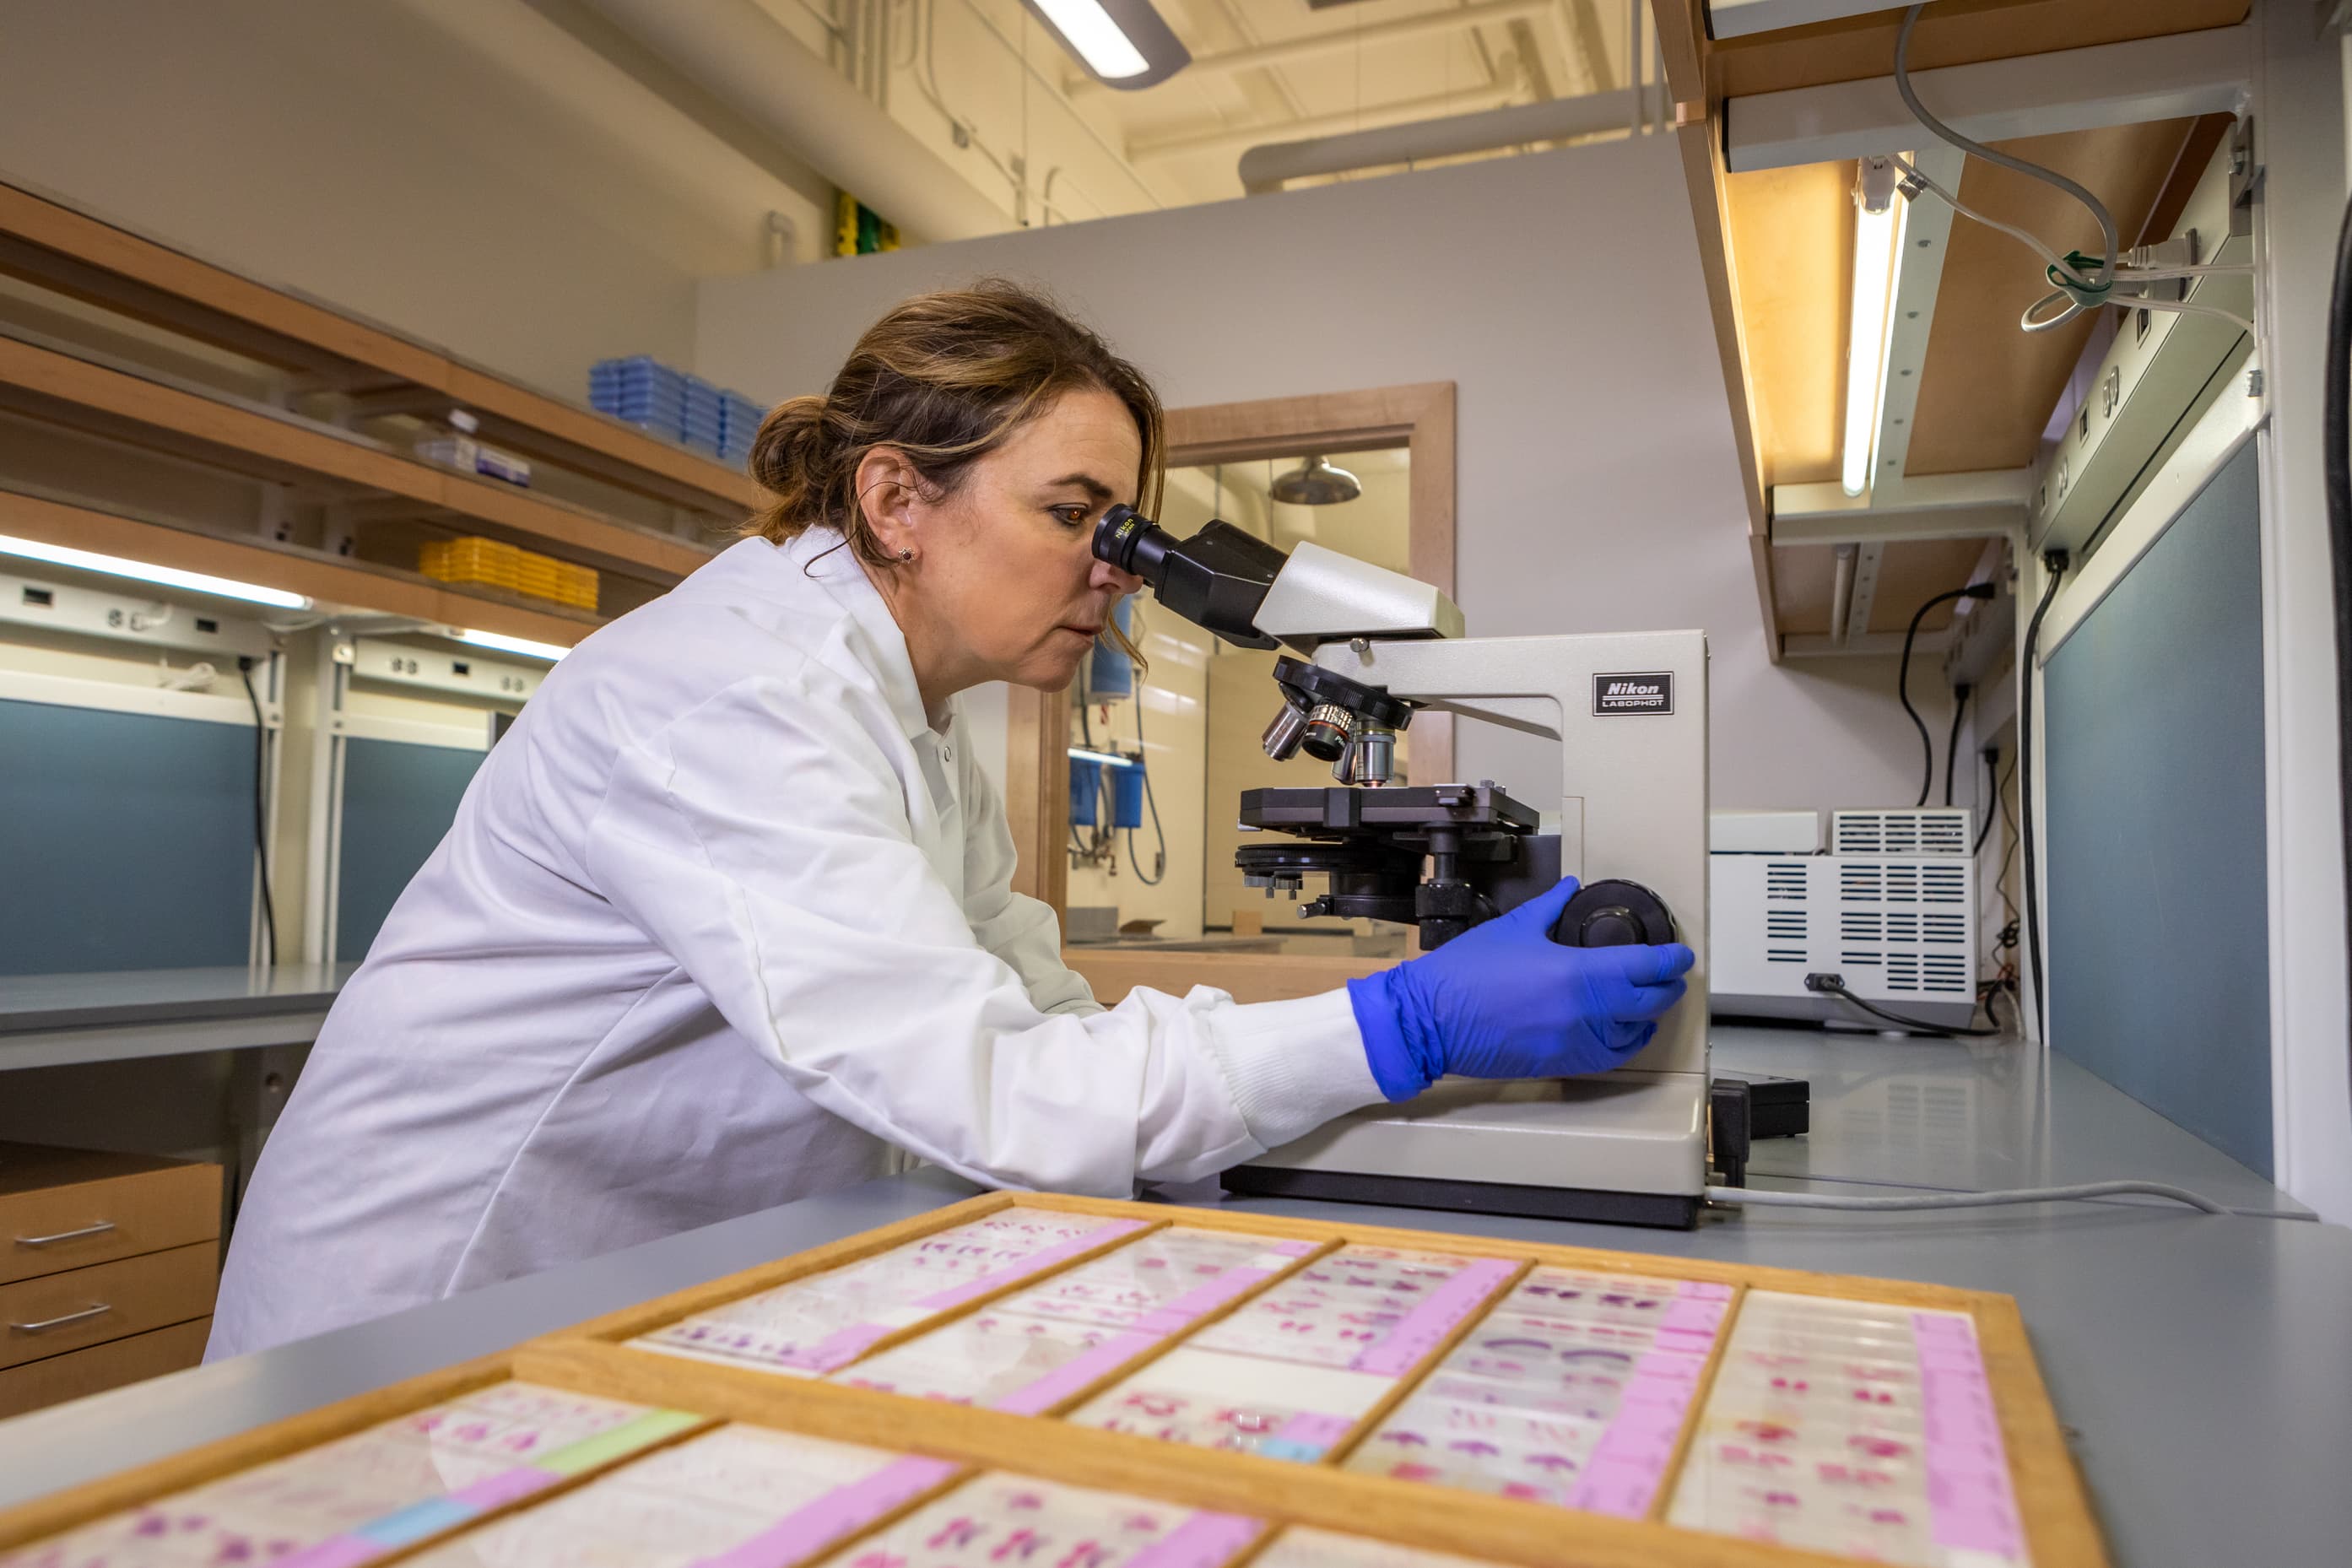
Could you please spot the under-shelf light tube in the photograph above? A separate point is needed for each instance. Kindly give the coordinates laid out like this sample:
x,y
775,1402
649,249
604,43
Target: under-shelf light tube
x,y
169,576
1107,759
1866,339
504,644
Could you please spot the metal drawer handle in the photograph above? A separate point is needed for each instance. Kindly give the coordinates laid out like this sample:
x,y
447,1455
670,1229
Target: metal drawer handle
x,y
46,1324
101,1228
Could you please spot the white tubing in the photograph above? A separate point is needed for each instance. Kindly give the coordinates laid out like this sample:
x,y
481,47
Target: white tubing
x,y
1755,1197
739,55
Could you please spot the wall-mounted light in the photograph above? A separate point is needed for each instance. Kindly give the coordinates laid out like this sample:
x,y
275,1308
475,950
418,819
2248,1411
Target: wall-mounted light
x,y
1877,236
504,644
1122,43
169,576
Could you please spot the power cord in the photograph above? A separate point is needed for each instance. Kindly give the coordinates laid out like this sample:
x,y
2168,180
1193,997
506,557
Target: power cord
x,y
1993,776
1760,1198
1952,741
260,822
1834,985
1902,678
2055,562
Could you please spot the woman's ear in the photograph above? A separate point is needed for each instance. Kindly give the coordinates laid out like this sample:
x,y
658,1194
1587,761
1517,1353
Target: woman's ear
x,y
889,496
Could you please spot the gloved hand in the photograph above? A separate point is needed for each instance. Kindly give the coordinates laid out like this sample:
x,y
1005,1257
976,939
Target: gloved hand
x,y
1503,1000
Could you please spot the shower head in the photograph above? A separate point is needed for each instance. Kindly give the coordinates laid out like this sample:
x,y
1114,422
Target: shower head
x,y
1316,483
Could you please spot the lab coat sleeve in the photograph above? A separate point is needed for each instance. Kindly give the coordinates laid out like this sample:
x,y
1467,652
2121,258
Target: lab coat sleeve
x,y
762,840
1018,928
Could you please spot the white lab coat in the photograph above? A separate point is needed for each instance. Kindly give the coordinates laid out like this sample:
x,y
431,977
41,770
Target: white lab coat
x,y
724,921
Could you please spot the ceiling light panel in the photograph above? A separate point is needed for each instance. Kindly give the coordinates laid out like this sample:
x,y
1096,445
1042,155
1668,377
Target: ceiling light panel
x,y
1123,44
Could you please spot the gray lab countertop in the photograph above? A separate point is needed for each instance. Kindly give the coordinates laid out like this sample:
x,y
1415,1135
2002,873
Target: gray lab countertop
x,y
51,1020
2204,1362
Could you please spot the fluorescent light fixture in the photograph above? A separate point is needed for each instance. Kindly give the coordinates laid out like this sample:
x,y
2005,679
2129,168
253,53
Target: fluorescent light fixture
x,y
1122,43
1107,759
169,576
1876,236
504,644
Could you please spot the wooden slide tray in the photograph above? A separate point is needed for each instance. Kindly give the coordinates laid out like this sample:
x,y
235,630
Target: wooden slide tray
x,y
1036,1380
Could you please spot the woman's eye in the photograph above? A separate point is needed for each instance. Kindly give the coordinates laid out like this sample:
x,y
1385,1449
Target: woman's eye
x,y
1072,514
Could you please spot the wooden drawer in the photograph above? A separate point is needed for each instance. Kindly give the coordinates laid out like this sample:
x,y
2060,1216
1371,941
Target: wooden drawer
x,y
39,1385
71,1208
136,1293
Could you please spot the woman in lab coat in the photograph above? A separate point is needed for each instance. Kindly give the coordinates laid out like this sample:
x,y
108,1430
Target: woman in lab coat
x,y
727,919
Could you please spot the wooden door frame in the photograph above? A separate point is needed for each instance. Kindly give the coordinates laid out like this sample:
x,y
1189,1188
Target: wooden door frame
x,y
1419,417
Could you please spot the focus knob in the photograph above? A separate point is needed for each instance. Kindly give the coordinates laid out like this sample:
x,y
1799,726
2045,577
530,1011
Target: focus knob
x,y
1614,912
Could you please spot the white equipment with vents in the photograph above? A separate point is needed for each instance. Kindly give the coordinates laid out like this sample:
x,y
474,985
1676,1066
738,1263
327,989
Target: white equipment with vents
x,y
1891,910
1927,830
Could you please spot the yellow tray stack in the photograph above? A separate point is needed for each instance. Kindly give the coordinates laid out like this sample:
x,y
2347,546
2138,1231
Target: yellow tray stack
x,y
494,565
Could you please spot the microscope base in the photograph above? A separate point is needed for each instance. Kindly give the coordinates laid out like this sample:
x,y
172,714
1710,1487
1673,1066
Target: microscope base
x,y
1627,1147
1665,1210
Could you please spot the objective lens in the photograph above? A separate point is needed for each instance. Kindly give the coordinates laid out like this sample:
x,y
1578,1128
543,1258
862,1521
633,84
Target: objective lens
x,y
1327,732
1132,542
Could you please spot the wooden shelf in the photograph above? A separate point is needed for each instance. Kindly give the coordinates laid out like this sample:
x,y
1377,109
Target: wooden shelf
x,y
47,242
246,558
50,384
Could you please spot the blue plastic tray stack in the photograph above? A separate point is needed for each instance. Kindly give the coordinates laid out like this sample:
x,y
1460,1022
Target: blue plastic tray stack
x,y
642,391
739,422
670,402
698,426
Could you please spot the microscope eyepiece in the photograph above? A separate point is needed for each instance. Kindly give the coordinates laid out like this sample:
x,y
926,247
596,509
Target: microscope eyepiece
x,y
1216,579
1133,543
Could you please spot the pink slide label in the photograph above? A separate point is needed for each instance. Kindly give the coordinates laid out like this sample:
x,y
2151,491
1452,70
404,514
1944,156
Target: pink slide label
x,y
1412,1339
1970,1504
1035,1398
1628,1464
805,1532
1203,1540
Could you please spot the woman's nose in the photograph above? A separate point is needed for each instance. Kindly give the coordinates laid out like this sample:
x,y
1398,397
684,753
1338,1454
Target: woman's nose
x,y
1106,575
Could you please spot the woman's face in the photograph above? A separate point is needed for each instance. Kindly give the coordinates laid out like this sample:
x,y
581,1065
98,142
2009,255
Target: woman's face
x,y
1004,585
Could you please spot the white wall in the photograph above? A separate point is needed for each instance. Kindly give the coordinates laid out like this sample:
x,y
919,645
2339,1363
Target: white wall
x,y
1598,489
462,170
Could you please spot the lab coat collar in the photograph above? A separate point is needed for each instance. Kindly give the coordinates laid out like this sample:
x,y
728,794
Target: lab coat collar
x,y
819,556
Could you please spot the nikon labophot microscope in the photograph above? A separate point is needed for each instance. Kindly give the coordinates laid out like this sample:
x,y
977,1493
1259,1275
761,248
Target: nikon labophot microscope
x,y
1368,649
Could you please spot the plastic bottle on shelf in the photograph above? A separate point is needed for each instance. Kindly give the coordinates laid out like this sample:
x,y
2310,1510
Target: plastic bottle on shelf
x,y
456,444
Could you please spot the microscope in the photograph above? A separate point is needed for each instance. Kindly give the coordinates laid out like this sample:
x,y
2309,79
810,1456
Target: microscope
x,y
1365,649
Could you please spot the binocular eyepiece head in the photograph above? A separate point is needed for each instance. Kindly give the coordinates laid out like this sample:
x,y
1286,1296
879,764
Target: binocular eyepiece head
x,y
1216,579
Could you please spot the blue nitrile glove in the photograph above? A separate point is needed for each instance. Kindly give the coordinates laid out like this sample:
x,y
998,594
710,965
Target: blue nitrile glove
x,y
1503,1000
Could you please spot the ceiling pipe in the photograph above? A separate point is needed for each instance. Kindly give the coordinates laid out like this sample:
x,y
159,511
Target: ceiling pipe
x,y
1240,137
1266,168
738,54
1312,45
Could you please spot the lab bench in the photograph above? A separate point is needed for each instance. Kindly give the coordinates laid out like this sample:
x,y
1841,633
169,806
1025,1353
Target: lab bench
x,y
62,1020
2203,1365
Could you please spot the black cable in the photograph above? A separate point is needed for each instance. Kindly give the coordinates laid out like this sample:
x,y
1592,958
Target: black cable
x,y
2053,562
260,825
1903,679
1952,741
1992,777
2336,453
1830,985
1150,798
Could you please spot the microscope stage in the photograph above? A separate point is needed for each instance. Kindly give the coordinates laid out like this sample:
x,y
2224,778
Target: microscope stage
x,y
1629,1147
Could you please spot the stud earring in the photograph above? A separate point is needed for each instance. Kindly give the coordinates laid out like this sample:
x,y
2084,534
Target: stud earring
x,y
907,553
